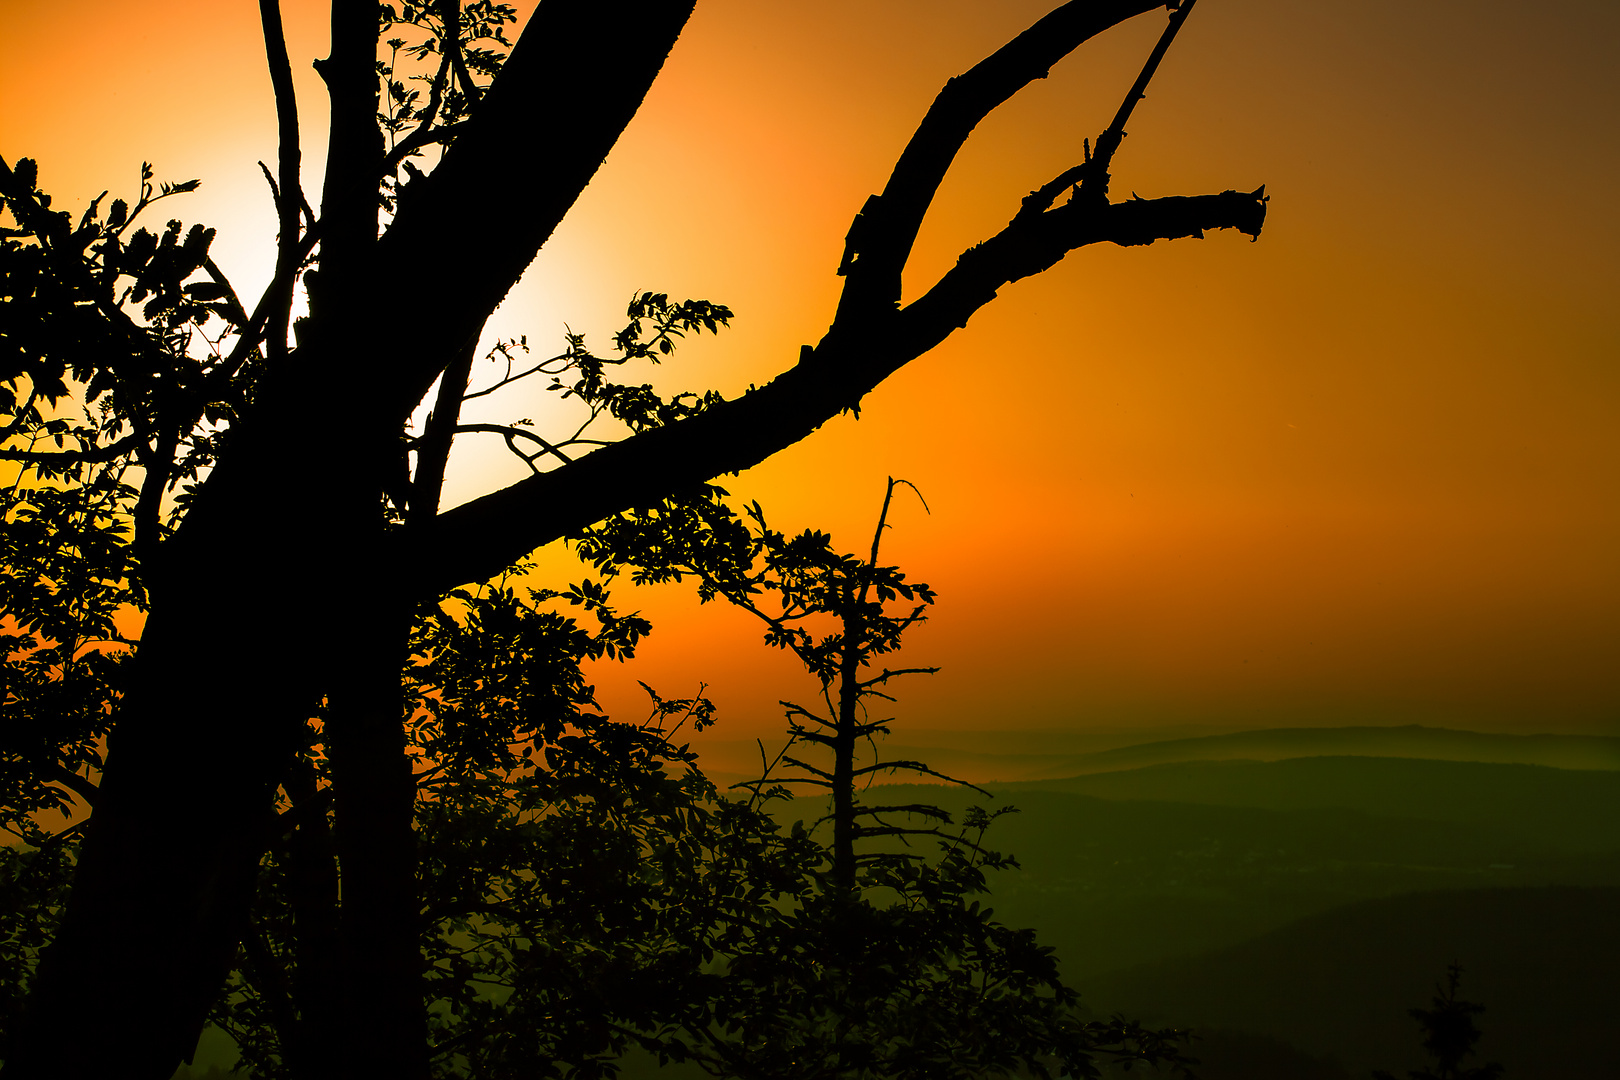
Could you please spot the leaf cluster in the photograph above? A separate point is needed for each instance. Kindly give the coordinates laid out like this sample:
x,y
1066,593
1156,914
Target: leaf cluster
x,y
139,328
576,873
500,672
916,980
473,38
741,558
441,60
656,326
836,612
34,883
67,576
891,967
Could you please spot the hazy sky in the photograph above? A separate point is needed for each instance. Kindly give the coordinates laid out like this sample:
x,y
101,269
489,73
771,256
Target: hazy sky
x,y
1364,470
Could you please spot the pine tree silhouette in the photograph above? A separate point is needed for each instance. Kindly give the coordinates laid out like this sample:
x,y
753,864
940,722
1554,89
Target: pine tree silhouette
x,y
1449,1035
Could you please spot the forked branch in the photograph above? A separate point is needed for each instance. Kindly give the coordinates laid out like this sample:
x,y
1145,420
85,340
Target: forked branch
x,y
869,338
880,243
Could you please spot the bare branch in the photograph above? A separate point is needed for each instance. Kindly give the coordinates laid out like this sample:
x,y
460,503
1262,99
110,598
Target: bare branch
x,y
239,314
916,767
887,674
919,809
157,462
1095,184
289,197
825,776
881,241
510,434
1032,244
418,139
433,451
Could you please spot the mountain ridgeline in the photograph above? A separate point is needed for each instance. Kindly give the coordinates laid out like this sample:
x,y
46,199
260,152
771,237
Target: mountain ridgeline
x,y
1291,893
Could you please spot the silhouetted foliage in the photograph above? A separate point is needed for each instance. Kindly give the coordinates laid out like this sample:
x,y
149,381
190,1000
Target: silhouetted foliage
x,y
33,888
577,874
891,967
744,560
1449,1036
266,475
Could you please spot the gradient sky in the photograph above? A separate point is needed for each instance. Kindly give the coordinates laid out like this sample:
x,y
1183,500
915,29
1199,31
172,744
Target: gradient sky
x,y
1363,471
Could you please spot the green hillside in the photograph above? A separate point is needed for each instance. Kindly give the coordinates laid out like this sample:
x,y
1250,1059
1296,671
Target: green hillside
x,y
1570,809
1294,908
1111,882
1410,741
1338,985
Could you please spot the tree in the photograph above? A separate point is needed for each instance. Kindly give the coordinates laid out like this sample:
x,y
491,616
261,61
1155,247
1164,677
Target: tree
x,y
745,561
573,909
1449,1036
889,967
276,523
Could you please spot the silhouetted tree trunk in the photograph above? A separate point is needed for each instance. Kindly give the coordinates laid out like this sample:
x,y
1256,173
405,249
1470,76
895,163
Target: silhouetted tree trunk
x,y
314,1043
282,586
844,739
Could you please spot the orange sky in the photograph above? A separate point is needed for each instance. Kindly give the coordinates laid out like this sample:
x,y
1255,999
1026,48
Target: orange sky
x,y
1364,470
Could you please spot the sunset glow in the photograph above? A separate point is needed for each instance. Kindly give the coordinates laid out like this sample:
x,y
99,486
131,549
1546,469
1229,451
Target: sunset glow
x,y
1363,471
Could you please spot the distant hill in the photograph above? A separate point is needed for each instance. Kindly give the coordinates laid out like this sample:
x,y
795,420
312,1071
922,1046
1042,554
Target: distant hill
x,y
1018,755
970,755
1576,810
1411,741
1337,985
1113,882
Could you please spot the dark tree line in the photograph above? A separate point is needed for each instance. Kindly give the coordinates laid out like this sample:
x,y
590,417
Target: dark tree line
x,y
284,530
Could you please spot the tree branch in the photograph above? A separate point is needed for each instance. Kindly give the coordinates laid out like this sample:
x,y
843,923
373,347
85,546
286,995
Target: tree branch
x,y
887,674
916,767
479,538
157,463
552,90
1031,245
881,239
511,435
433,451
349,198
1095,184
419,138
826,777
289,197
450,16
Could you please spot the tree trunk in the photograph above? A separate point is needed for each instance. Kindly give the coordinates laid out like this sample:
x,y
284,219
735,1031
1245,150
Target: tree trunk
x,y
312,887
282,552
170,856
843,868
384,1027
